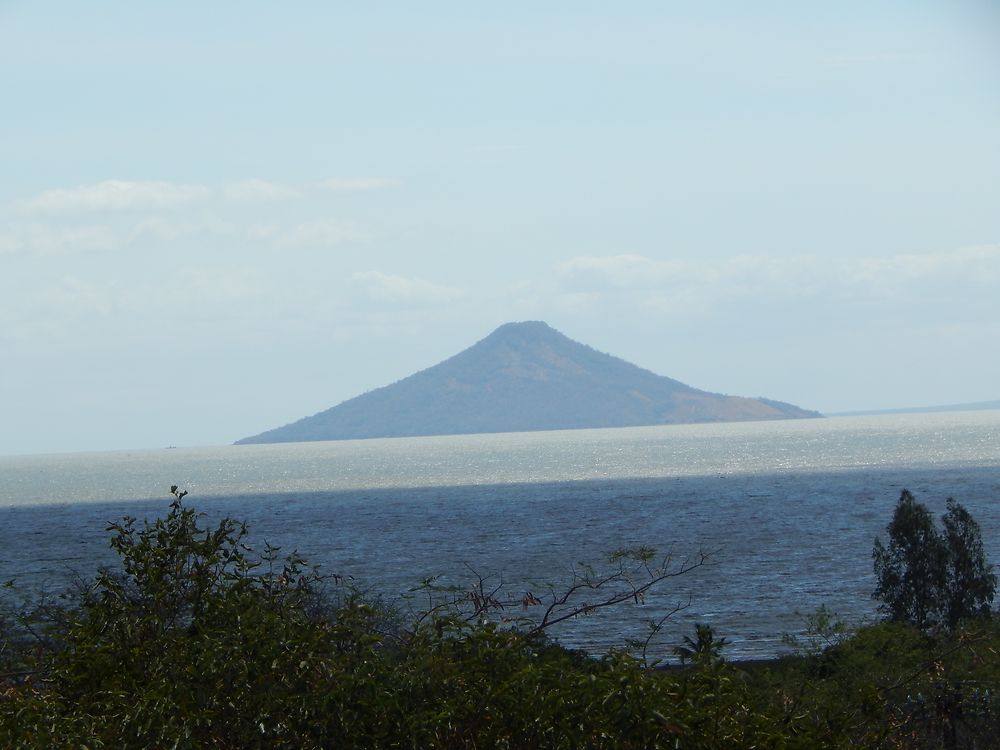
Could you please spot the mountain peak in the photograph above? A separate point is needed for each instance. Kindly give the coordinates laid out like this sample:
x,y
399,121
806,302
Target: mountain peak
x,y
525,326
525,329
524,376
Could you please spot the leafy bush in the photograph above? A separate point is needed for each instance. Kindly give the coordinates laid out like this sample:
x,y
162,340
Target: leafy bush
x,y
195,641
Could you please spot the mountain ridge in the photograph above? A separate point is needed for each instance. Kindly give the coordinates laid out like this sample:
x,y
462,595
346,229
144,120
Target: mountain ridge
x,y
524,376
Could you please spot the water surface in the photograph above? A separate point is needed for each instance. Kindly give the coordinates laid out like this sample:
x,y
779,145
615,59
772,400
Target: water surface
x,y
789,509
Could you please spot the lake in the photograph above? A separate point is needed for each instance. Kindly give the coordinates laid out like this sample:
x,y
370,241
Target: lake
x,y
788,509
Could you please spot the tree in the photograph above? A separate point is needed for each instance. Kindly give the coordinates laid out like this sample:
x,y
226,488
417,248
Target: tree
x,y
927,577
703,649
971,583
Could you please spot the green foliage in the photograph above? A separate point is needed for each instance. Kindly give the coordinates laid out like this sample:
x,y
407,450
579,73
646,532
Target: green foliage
x,y
927,577
971,583
893,685
196,641
192,639
824,629
704,648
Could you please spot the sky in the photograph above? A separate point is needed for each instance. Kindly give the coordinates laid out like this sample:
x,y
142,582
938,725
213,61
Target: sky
x,y
217,218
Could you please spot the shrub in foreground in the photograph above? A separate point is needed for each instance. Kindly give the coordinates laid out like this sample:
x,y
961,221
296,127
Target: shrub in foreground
x,y
196,642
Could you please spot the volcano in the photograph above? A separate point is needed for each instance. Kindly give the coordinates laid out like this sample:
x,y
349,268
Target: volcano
x,y
524,377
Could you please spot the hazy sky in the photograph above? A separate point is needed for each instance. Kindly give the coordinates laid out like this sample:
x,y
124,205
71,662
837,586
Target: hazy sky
x,y
216,218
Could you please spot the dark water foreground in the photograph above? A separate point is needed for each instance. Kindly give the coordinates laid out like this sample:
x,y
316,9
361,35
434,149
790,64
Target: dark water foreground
x,y
781,543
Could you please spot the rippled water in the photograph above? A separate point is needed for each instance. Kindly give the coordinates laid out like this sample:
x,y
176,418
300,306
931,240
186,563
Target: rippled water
x,y
789,509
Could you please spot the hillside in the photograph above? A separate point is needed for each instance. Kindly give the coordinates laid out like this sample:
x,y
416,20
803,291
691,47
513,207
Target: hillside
x,y
523,377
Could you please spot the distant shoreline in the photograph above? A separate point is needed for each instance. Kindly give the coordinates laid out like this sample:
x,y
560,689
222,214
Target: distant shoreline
x,y
974,406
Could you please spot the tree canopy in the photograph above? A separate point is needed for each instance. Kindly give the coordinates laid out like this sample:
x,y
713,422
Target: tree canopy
x,y
931,577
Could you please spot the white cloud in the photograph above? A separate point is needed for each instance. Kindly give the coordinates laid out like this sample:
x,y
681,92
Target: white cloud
x,y
358,184
399,290
114,195
216,288
40,239
263,232
320,233
669,285
975,263
254,190
143,233
192,303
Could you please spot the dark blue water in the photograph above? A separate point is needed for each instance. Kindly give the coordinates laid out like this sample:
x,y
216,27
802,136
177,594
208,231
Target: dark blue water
x,y
780,543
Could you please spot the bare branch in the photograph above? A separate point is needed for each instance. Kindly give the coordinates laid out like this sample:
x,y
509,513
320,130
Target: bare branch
x,y
632,574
